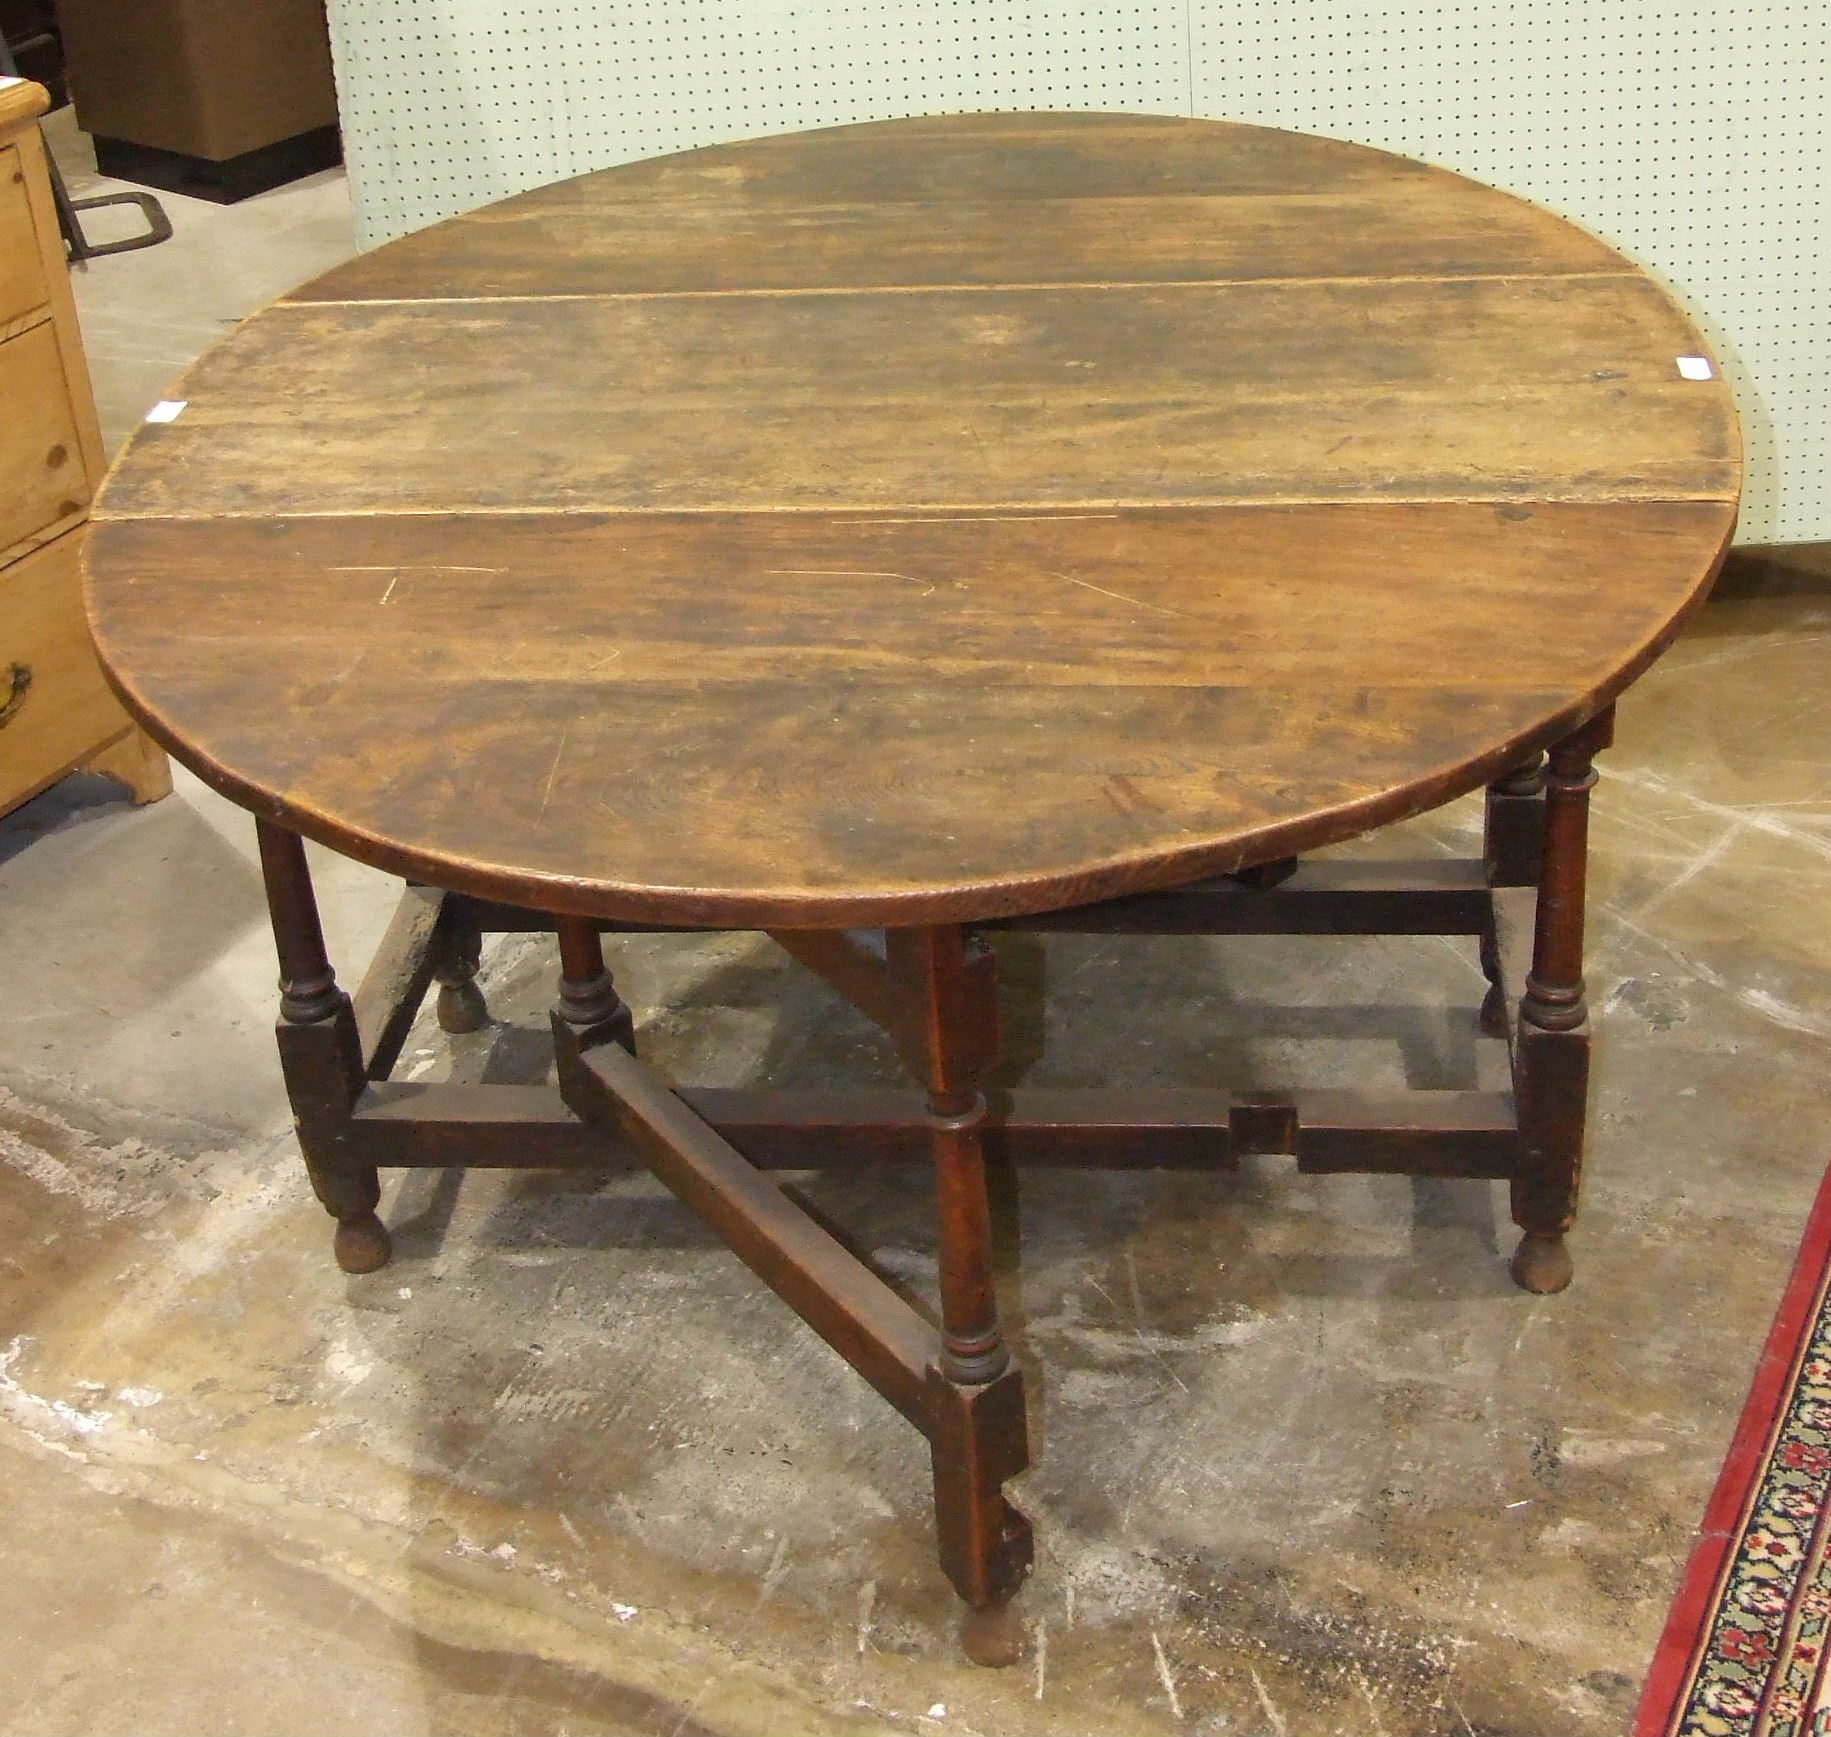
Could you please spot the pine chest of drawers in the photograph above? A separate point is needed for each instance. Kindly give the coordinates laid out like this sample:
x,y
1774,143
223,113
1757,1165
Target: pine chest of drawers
x,y
56,711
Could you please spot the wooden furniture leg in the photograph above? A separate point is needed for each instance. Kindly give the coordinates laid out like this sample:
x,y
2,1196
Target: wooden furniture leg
x,y
320,1055
1551,1059
958,1385
460,1006
980,1438
1513,844
588,999
1513,836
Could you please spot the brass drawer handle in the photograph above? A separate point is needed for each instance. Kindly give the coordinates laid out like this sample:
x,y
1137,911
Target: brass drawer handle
x,y
18,680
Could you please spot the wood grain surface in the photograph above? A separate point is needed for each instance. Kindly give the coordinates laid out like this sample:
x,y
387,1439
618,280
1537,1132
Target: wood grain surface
x,y
41,449
921,521
990,200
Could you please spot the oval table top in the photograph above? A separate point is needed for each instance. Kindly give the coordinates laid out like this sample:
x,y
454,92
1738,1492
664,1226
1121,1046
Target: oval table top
x,y
915,522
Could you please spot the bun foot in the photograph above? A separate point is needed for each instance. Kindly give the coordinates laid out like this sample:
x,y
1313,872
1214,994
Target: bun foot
x,y
1541,1264
993,1635
362,1244
1494,1012
461,1008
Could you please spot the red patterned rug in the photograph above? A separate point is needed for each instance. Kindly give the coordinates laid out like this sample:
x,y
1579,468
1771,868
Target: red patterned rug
x,y
1746,1646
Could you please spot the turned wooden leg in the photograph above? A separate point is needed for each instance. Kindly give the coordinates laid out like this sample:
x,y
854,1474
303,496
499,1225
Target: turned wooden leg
x,y
979,1438
1494,1003
588,999
457,955
1551,1064
320,1054
1513,842
1513,831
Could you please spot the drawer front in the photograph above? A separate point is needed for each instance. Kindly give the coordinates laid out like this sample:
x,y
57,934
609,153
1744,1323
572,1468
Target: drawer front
x,y
55,708
41,458
22,281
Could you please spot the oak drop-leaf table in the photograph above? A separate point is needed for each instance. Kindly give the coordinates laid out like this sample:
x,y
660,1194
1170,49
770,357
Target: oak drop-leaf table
x,y
883,536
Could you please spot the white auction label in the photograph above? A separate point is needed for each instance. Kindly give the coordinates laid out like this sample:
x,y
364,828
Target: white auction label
x,y
1695,367
166,410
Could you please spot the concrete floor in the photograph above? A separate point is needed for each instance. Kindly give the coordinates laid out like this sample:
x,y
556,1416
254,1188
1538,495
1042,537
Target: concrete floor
x,y
1308,1464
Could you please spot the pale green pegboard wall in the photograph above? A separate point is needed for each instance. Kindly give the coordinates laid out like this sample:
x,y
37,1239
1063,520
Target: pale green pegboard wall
x,y
1696,140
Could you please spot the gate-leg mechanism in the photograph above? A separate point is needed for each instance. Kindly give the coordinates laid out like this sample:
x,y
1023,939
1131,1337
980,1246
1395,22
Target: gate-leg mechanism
x,y
932,990
957,1383
460,1006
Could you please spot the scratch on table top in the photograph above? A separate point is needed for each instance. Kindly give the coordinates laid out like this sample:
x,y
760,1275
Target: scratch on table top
x,y
851,573
844,573
546,794
343,675
1120,596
